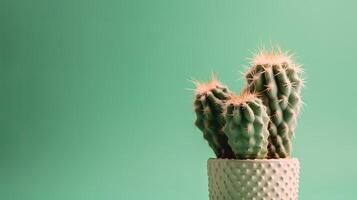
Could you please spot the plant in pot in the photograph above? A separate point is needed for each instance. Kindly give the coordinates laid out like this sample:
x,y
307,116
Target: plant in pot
x,y
251,133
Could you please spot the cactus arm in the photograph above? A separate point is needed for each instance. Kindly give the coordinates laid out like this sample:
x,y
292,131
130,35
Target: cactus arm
x,y
247,127
209,106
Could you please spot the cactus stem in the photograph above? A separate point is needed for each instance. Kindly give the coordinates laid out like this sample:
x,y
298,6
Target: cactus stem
x,y
279,88
209,104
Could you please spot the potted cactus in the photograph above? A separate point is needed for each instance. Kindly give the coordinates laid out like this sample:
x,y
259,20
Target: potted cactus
x,y
251,133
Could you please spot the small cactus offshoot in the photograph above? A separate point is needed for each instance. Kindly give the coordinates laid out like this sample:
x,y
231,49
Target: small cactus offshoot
x,y
247,126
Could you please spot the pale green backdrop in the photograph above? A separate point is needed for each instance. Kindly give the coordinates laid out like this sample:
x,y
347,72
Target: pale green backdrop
x,y
94,103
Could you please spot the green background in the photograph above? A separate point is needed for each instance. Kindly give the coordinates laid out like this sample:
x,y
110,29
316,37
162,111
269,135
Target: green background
x,y
94,102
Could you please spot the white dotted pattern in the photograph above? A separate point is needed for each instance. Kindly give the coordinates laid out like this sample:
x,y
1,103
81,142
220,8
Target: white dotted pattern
x,y
264,179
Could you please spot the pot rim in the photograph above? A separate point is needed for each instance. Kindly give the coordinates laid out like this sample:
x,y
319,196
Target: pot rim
x,y
253,160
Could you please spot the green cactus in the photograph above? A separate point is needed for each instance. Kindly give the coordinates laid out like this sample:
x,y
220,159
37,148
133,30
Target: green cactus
x,y
277,81
209,105
247,126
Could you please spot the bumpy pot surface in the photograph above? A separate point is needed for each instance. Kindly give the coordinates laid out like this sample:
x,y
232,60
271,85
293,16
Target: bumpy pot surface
x,y
263,179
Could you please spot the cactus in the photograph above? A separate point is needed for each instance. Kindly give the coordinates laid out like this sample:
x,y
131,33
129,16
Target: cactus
x,y
247,126
277,81
209,105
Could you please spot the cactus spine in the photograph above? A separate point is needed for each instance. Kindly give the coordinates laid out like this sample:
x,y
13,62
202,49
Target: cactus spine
x,y
209,105
277,81
247,126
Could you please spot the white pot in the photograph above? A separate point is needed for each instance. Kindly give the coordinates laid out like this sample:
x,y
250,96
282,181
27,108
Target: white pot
x,y
263,179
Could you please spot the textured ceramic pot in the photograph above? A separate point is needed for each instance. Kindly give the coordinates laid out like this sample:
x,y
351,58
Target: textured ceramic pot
x,y
265,179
